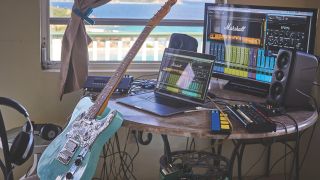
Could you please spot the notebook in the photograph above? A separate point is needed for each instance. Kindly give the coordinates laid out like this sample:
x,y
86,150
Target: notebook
x,y
182,84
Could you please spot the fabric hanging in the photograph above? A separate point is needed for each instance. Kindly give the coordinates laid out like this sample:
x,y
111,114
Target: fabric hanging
x,y
74,52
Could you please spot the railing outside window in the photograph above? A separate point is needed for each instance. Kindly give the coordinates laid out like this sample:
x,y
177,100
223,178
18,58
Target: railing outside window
x,y
118,25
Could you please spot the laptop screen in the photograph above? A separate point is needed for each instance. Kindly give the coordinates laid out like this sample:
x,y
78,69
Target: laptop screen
x,y
185,75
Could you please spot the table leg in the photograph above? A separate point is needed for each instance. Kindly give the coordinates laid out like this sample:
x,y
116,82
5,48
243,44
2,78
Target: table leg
x,y
297,161
235,152
167,150
216,163
267,173
240,161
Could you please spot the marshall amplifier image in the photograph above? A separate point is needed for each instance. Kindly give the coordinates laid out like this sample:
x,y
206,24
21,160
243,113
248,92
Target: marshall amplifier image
x,y
236,29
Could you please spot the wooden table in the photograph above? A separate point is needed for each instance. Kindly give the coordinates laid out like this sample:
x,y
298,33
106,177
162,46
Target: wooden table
x,y
197,124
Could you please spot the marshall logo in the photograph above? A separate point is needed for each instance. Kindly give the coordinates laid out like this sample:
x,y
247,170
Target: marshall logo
x,y
231,27
285,28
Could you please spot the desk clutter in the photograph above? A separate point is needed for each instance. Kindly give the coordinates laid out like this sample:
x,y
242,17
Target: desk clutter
x,y
251,118
220,122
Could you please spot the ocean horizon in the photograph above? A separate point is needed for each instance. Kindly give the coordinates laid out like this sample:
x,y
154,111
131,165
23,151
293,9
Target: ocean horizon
x,y
187,10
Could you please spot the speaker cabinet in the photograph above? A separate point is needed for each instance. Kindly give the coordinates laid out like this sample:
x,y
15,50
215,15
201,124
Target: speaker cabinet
x,y
294,72
183,42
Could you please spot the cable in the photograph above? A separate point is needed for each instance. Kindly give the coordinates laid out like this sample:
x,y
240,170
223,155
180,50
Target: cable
x,y
229,99
277,161
148,75
111,168
3,168
308,146
192,144
187,143
285,151
297,142
314,126
254,164
125,158
311,97
144,142
131,159
9,174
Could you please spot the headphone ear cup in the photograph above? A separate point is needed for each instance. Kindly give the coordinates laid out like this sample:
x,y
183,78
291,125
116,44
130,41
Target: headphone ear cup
x,y
50,131
19,147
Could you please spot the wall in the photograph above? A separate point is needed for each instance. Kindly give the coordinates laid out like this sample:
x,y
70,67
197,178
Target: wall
x,y
21,77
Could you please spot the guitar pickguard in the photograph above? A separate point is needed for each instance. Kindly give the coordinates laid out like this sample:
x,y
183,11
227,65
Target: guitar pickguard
x,y
67,152
83,133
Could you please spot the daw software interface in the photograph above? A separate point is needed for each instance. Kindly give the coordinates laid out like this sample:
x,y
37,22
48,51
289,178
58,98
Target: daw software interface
x,y
185,74
246,39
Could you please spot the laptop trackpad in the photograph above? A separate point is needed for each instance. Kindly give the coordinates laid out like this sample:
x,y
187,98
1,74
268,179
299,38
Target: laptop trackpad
x,y
162,110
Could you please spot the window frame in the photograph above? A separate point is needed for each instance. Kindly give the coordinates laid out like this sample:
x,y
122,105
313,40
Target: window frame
x,y
100,66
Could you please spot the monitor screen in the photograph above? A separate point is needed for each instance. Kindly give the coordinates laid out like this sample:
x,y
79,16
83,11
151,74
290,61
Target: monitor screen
x,y
185,75
246,39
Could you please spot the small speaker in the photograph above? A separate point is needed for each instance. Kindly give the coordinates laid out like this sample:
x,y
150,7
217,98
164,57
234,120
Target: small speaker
x,y
183,42
294,72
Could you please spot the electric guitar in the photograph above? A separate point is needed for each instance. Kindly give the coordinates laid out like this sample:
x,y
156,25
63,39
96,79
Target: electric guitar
x,y
74,154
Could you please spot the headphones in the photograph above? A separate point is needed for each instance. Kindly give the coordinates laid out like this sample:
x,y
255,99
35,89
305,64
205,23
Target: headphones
x,y
22,145
46,131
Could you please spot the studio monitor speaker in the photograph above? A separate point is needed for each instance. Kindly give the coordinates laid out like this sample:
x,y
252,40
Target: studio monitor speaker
x,y
183,42
294,72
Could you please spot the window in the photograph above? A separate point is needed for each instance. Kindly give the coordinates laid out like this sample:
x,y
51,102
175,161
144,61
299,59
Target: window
x,y
117,25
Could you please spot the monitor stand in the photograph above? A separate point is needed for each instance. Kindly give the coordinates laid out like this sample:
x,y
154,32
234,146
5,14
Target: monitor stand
x,y
248,88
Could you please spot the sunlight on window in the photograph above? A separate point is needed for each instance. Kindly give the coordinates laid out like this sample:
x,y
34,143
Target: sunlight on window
x,y
112,42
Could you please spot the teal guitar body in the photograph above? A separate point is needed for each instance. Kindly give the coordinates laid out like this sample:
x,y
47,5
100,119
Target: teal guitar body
x,y
74,154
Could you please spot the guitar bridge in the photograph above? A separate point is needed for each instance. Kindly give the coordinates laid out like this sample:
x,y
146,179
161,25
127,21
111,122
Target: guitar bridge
x,y
67,152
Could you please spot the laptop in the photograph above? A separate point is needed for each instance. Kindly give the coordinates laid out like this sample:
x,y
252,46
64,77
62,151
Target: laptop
x,y
182,84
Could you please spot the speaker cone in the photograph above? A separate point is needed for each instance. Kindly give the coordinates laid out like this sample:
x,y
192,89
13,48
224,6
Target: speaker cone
x,y
276,90
283,60
279,75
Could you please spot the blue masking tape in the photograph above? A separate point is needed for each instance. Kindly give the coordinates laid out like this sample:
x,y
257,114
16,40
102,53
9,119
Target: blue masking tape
x,y
85,15
215,120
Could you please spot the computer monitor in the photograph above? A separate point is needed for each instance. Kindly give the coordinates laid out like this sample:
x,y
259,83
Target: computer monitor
x,y
246,39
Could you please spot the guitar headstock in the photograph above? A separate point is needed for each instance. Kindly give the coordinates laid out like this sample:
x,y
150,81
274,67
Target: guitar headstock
x,y
162,12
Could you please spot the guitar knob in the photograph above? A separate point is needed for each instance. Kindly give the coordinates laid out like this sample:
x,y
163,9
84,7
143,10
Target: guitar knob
x,y
69,175
78,162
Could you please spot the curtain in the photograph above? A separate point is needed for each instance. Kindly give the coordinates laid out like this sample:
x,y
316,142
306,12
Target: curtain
x,y
74,52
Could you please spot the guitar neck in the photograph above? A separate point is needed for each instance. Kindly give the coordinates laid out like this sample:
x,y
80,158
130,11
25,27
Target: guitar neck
x,y
110,87
106,93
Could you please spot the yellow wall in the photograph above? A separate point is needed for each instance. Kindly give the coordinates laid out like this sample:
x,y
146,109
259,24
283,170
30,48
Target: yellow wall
x,y
21,77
